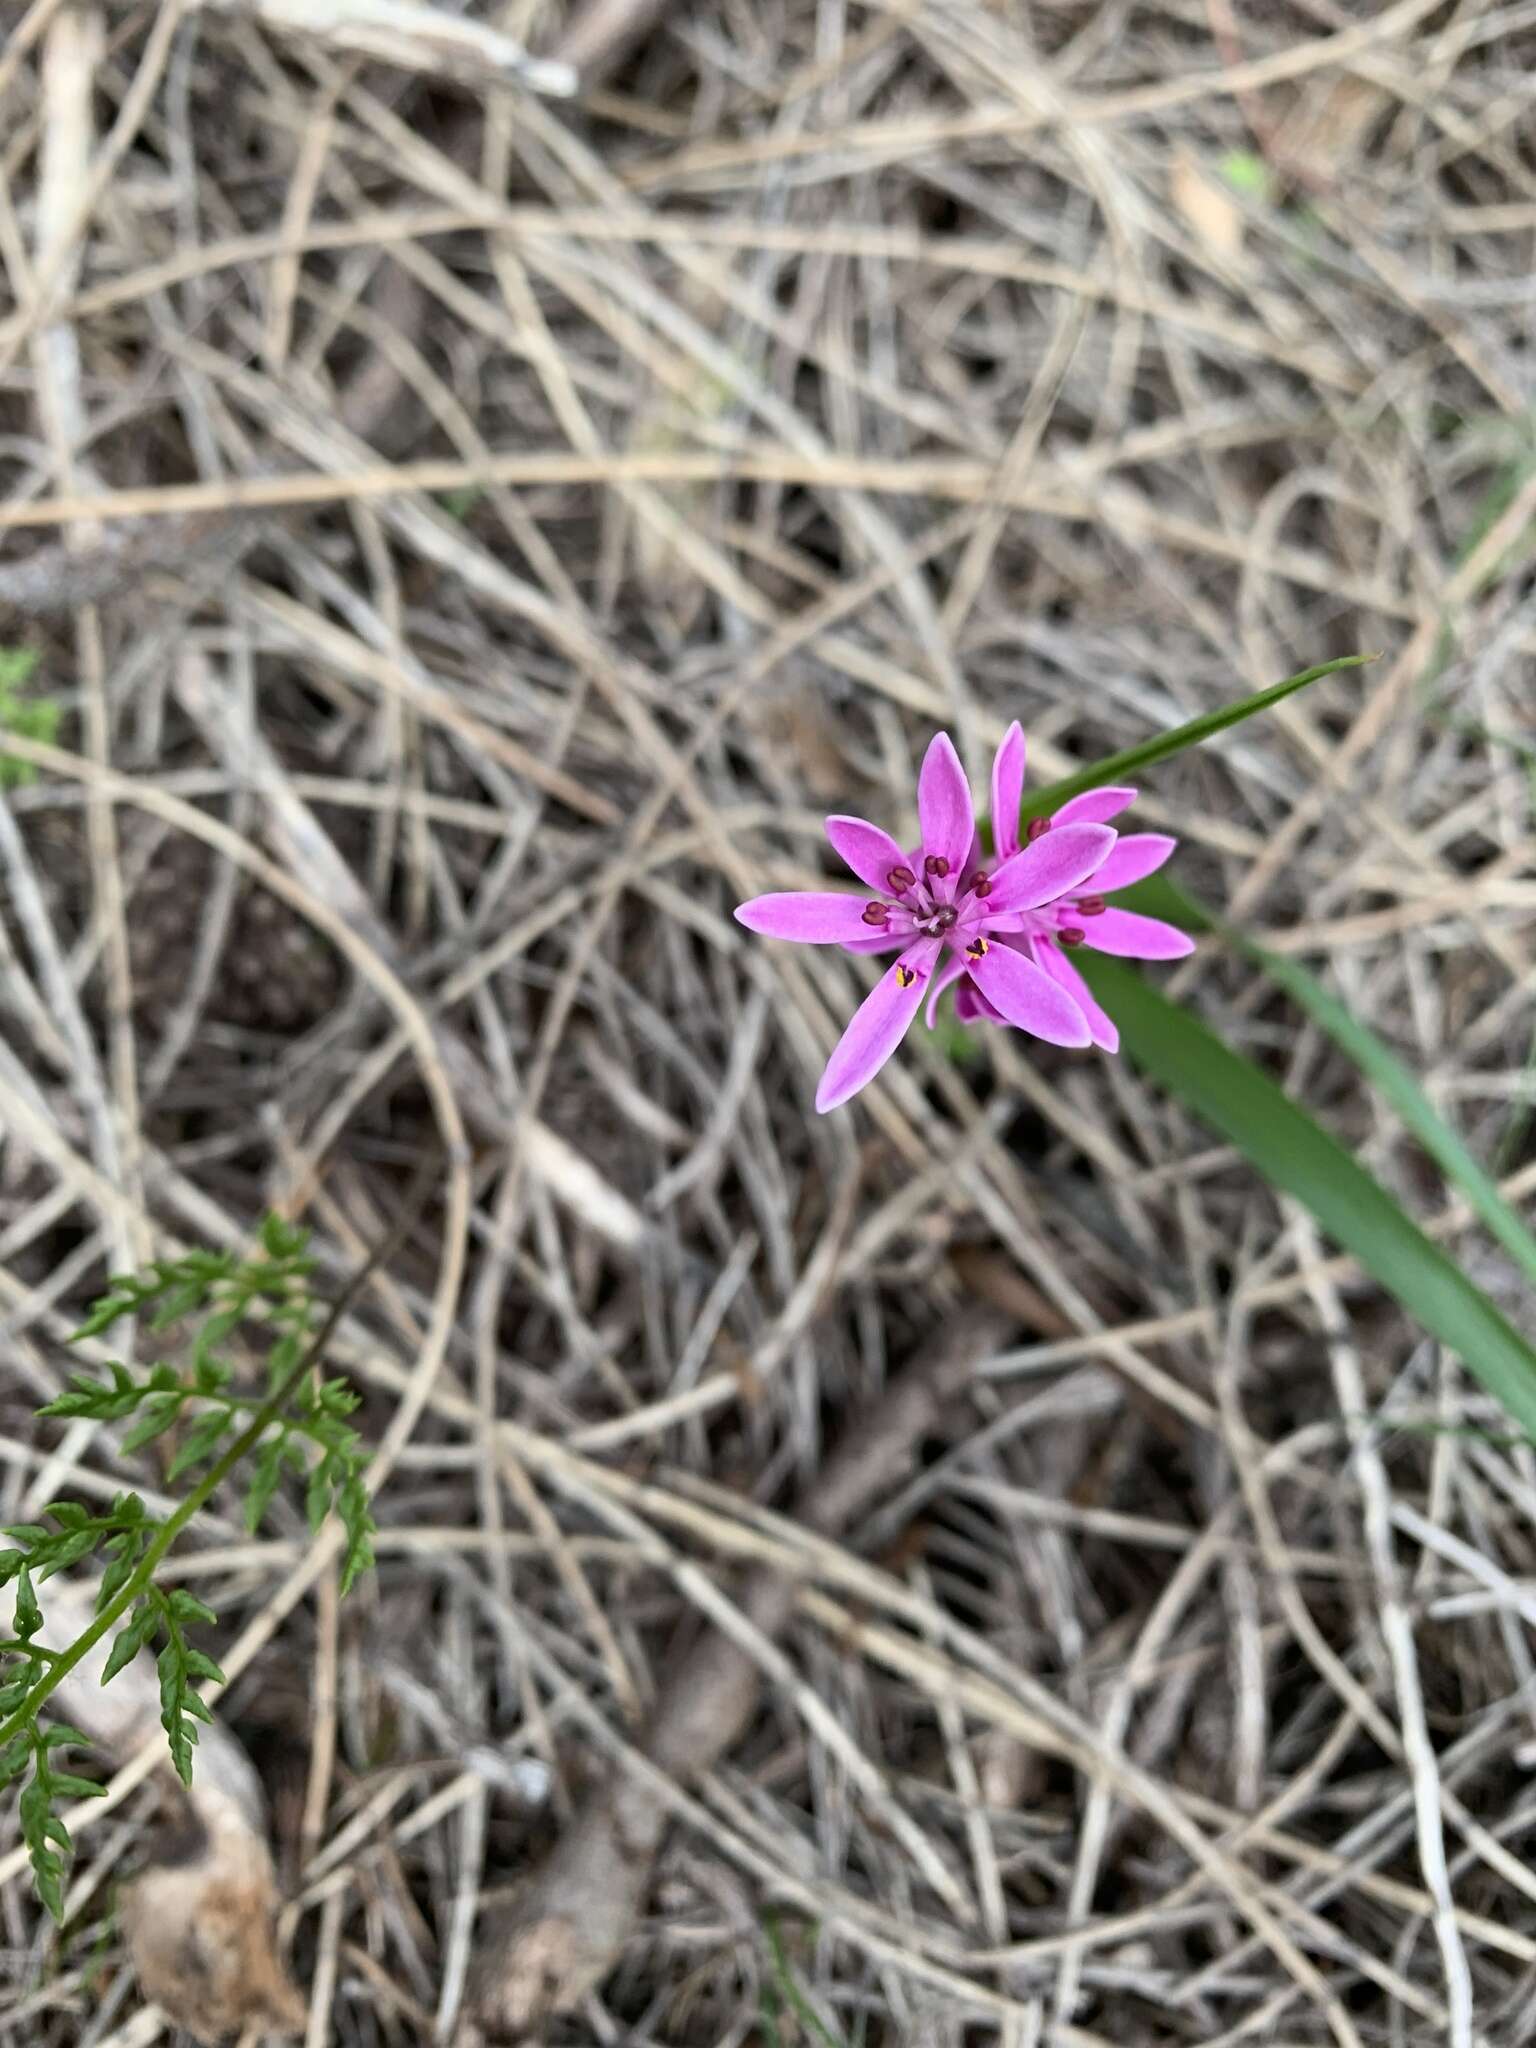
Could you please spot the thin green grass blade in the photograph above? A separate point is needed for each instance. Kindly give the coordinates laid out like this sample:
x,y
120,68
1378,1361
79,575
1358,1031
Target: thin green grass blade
x,y
789,1989
1160,897
1396,1085
1130,760
1228,1092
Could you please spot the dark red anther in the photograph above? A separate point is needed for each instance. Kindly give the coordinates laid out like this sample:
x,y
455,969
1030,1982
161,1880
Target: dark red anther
x,y
981,882
1034,828
877,913
1071,935
1091,906
936,864
899,880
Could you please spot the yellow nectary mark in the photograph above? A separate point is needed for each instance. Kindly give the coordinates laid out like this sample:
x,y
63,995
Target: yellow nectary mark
x,y
905,976
977,948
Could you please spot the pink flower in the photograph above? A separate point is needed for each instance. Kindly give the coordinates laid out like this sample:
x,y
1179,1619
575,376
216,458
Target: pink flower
x,y
1078,917
1002,923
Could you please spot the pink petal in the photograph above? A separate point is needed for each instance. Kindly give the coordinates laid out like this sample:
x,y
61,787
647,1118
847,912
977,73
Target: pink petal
x,y
1136,855
1059,861
878,942
877,1026
1135,937
947,976
944,807
1093,807
1027,997
814,917
868,851
1008,791
1056,964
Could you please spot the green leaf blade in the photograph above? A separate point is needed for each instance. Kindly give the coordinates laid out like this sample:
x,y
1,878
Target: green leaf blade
x,y
1131,760
156,1415
1160,897
1232,1095
1396,1085
28,1616
62,1736
186,1607
69,1514
77,1788
130,1639
356,1512
199,1441
266,1471
80,1543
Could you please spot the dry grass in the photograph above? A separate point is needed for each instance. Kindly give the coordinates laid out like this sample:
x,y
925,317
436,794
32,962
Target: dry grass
x,y
473,539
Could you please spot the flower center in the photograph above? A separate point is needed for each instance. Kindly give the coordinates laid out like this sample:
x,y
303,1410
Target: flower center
x,y
943,919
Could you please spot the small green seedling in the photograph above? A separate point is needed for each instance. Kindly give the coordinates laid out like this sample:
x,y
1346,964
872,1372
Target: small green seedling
x,y
30,718
298,1425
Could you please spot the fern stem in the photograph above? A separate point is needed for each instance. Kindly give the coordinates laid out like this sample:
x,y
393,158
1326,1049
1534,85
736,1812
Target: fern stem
x,y
144,1572
64,1661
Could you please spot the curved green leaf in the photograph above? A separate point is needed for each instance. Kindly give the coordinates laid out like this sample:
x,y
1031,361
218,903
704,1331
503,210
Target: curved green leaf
x,y
1232,1095
1130,760
1160,897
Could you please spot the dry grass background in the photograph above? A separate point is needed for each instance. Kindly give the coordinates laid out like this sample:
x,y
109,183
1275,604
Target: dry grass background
x,y
473,538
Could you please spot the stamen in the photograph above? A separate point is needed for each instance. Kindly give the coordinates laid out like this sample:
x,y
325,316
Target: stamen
x,y
877,913
978,948
899,880
1071,935
1090,906
905,976
981,882
936,864
1035,828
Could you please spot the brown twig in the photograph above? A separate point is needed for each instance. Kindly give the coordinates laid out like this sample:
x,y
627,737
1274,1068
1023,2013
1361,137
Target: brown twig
x,y
406,33
53,581
567,1931
601,33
